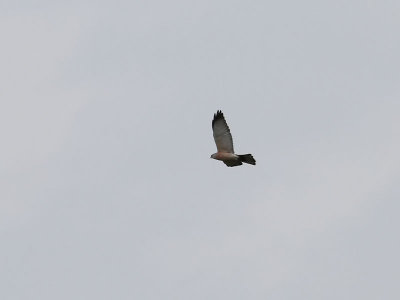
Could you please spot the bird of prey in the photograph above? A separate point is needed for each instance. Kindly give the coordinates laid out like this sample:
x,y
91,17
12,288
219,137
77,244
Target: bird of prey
x,y
223,140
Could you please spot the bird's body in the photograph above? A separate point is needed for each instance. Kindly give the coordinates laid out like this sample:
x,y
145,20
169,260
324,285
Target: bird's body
x,y
224,142
230,159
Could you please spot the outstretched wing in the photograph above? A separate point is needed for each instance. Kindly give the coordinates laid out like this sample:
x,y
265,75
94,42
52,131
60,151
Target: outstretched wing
x,y
232,163
222,134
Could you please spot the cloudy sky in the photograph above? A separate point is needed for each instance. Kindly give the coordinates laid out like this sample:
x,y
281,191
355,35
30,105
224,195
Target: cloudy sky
x,y
107,189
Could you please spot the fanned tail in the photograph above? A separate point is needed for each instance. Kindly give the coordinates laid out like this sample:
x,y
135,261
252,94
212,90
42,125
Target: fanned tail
x,y
248,159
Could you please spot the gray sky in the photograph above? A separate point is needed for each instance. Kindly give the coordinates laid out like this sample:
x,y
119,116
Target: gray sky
x,y
107,188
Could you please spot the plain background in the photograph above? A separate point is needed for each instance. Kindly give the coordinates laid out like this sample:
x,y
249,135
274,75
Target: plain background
x,y
107,189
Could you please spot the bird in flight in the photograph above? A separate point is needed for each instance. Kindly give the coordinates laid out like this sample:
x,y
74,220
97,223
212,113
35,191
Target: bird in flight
x,y
223,140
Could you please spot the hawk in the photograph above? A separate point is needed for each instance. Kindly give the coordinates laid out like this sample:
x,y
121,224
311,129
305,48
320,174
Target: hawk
x,y
223,140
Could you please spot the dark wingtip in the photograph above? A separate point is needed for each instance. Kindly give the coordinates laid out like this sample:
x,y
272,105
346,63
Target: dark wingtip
x,y
248,159
217,116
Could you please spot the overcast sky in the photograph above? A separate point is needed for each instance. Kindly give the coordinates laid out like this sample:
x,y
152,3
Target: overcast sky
x,y
107,188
